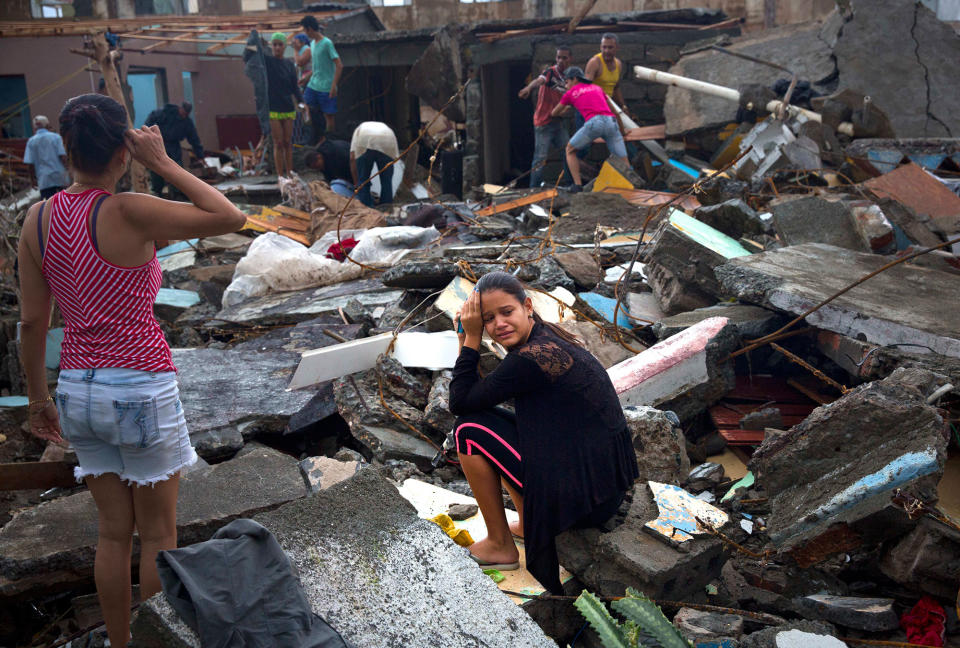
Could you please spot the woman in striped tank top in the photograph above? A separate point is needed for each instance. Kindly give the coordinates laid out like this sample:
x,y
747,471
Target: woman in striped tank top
x,y
116,400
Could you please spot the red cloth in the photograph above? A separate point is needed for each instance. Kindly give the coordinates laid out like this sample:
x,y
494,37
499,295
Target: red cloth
x,y
926,623
339,251
549,97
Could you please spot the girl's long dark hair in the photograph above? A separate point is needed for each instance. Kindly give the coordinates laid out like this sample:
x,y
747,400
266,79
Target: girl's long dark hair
x,y
514,287
93,128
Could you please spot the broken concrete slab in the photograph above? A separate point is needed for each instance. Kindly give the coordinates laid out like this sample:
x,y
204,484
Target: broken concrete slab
x,y
411,389
816,219
171,303
699,627
767,638
818,473
601,345
660,444
681,260
383,435
437,414
305,336
589,210
582,268
903,305
910,76
363,573
684,373
300,305
608,563
751,321
867,361
225,390
869,614
734,218
53,544
420,275
926,560
320,473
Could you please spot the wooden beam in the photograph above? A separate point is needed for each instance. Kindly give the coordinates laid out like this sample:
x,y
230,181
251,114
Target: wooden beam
x,y
36,474
150,48
584,10
102,55
518,202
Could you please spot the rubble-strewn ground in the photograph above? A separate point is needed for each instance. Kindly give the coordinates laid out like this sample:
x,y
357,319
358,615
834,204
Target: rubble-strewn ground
x,y
782,350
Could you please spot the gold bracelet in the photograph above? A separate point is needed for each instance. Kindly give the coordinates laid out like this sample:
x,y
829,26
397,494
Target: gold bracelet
x,y
42,401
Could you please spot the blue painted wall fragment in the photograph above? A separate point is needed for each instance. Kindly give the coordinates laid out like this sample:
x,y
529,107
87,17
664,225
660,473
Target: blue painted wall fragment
x,y
177,298
900,471
605,306
54,341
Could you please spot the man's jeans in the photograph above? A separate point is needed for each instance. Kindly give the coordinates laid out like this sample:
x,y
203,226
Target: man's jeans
x,y
365,166
552,136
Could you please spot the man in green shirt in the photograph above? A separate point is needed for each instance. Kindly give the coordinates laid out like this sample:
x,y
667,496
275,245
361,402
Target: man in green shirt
x,y
321,91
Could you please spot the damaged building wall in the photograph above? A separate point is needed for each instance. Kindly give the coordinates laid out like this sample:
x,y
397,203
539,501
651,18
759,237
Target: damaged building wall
x,y
213,92
434,13
909,77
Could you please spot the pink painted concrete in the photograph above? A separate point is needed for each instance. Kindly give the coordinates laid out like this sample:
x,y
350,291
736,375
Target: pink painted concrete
x,y
664,355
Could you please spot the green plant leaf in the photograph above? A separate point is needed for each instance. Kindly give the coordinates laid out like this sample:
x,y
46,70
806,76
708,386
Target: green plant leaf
x,y
645,613
597,615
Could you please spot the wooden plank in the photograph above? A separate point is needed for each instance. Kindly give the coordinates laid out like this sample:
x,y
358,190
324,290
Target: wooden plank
x,y
266,226
743,437
297,214
513,204
36,474
175,39
646,198
584,10
656,132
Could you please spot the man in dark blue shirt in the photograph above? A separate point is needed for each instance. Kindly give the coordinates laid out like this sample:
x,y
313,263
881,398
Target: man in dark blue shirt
x,y
175,125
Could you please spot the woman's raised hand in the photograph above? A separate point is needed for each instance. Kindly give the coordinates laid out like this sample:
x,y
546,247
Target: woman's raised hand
x,y
146,146
471,317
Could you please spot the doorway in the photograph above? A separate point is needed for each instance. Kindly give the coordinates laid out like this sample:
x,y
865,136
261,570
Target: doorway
x,y
14,109
149,87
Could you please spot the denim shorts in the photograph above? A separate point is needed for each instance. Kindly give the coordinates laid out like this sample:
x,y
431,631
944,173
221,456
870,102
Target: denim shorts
x,y
124,421
605,127
321,100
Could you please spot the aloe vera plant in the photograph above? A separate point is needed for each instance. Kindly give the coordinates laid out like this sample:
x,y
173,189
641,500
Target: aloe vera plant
x,y
644,624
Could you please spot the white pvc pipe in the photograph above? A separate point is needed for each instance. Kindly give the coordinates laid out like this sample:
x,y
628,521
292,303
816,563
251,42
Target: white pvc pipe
x,y
665,78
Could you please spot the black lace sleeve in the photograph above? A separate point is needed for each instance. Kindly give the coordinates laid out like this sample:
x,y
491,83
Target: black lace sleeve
x,y
553,360
468,393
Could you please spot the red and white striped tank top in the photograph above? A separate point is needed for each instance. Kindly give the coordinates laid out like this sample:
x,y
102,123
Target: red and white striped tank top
x,y
107,309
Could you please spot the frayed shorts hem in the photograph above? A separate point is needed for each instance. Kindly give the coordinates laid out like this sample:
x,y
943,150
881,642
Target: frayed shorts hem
x,y
80,474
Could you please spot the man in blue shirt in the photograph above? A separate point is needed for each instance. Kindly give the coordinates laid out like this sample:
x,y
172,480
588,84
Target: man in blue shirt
x,y
46,153
320,94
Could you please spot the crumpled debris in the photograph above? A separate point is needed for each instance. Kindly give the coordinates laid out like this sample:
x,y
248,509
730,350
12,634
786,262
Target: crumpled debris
x,y
925,623
460,536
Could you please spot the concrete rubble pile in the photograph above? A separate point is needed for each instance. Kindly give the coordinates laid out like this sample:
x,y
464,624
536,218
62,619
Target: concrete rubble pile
x,y
796,427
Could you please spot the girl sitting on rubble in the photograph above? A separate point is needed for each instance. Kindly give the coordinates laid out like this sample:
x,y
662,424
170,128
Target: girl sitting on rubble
x,y
565,458
116,400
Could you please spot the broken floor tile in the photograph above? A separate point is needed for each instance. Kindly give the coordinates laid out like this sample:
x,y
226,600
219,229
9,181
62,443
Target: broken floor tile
x,y
679,511
684,373
660,444
320,473
800,639
53,544
869,614
844,461
905,304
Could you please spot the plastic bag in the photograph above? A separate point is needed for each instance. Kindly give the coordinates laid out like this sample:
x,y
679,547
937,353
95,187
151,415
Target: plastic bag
x,y
275,263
